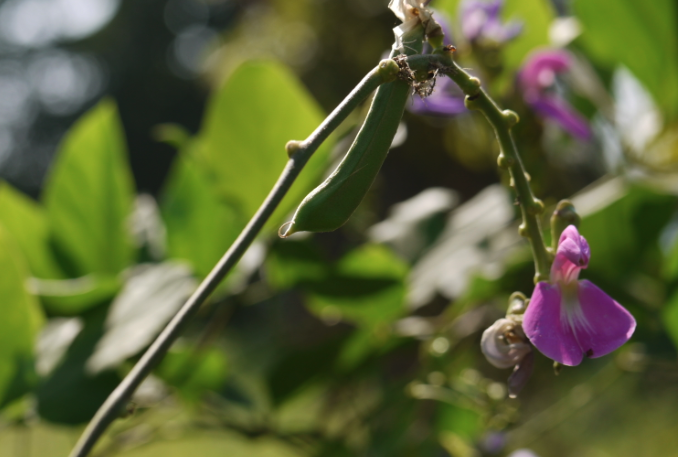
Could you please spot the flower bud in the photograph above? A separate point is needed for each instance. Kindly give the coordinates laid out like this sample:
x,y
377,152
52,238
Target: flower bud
x,y
504,343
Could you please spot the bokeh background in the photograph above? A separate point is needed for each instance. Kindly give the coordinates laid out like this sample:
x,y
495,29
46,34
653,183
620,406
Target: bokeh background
x,y
138,137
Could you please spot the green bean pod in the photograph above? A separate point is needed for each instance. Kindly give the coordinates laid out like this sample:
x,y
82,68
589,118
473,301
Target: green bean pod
x,y
332,203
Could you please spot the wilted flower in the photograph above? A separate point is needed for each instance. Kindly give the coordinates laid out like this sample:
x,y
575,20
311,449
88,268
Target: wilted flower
x,y
537,79
480,21
567,318
411,12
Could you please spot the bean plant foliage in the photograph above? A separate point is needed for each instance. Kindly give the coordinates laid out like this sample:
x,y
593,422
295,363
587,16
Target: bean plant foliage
x,y
365,341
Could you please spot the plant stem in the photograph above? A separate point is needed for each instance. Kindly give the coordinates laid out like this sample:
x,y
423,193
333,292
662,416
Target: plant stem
x,y
509,159
299,154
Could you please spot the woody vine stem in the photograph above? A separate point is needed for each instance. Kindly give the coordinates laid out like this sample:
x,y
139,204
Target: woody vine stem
x,y
299,153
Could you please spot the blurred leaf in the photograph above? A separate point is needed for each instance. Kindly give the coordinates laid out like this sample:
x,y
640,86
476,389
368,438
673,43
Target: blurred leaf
x,y
200,228
302,366
68,297
622,233
248,122
639,35
21,319
536,16
70,395
194,372
151,296
463,422
671,262
53,342
670,318
292,262
367,287
210,443
25,220
89,194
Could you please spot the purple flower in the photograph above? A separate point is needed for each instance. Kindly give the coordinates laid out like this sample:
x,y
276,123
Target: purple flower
x,y
481,22
568,319
537,79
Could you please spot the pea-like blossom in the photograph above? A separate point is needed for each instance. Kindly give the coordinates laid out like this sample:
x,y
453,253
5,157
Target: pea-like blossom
x,y
568,319
537,81
481,22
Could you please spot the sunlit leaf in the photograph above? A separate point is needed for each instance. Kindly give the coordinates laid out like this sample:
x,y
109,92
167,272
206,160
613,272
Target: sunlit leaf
x,y
150,298
69,395
199,226
21,320
248,122
68,297
26,221
639,35
89,195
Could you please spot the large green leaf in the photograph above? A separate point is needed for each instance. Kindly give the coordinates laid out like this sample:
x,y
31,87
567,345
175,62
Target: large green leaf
x,y
670,318
20,322
641,35
248,122
26,221
367,287
199,227
623,235
89,195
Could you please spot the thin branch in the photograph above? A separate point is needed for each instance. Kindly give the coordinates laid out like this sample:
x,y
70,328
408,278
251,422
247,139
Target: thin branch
x,y
299,154
509,159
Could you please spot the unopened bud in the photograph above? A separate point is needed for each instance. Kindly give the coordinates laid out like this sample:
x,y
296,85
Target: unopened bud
x,y
292,147
504,343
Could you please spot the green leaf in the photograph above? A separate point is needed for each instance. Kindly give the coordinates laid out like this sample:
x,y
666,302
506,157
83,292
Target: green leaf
x,y
69,394
194,372
670,318
70,297
200,228
89,195
639,35
248,122
26,221
21,320
625,232
367,287
293,262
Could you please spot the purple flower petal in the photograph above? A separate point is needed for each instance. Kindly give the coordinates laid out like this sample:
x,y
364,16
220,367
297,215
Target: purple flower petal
x,y
547,327
574,246
608,324
562,113
541,67
480,20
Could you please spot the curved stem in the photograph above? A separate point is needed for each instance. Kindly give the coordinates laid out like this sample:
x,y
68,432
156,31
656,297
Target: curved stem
x,y
299,153
509,159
